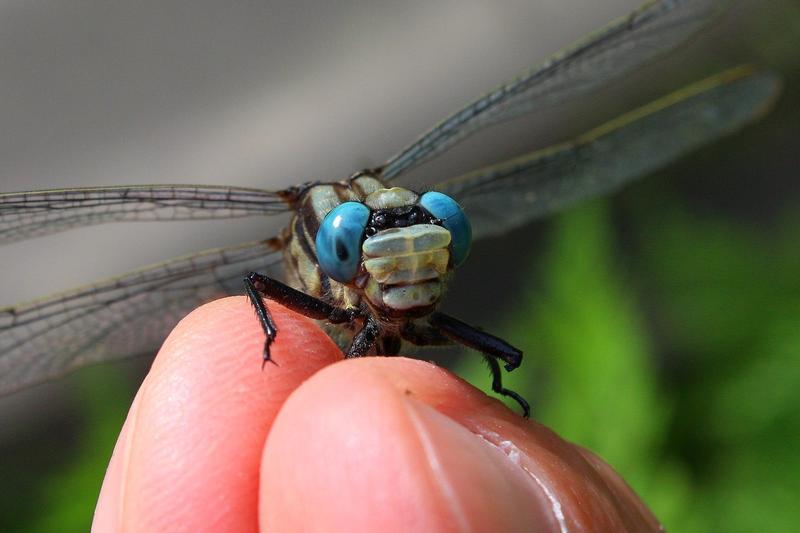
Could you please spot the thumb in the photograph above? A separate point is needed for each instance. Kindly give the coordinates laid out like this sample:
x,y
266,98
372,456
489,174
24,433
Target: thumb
x,y
381,444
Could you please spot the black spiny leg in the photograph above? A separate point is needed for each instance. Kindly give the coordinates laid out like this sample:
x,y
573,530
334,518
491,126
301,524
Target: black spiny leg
x,y
423,334
364,340
264,318
257,286
497,386
389,345
492,347
479,340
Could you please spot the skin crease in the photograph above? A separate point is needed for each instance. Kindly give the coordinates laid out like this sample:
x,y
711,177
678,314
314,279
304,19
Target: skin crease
x,y
212,443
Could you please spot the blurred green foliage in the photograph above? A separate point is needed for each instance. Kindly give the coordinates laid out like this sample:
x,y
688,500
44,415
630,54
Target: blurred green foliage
x,y
67,494
105,401
677,361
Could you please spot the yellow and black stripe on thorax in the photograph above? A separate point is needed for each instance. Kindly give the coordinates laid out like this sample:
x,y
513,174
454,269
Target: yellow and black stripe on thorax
x,y
300,259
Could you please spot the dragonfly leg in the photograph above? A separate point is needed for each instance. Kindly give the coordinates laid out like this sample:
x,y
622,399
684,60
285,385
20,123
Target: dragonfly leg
x,y
364,340
257,286
264,318
493,348
497,386
476,339
389,345
423,335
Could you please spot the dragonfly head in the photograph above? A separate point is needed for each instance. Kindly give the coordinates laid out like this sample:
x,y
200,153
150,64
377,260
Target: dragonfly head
x,y
397,246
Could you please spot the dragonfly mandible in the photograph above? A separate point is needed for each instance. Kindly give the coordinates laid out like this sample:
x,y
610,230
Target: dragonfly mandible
x,y
381,281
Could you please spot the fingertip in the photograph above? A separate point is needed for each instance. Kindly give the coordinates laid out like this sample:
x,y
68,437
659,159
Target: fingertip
x,y
203,413
359,447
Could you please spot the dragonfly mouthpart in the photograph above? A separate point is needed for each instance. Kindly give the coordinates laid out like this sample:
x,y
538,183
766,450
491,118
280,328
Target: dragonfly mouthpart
x,y
406,267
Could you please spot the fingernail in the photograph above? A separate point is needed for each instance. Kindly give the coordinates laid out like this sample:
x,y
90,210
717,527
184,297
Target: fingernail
x,y
484,487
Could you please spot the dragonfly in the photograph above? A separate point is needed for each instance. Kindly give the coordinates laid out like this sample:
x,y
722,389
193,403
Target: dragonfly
x,y
363,255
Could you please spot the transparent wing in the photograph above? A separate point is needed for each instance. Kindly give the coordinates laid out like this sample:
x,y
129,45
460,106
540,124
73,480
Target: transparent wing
x,y
507,195
31,214
650,30
122,316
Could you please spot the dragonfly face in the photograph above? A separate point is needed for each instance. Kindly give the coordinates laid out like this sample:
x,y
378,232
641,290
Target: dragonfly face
x,y
363,254
359,243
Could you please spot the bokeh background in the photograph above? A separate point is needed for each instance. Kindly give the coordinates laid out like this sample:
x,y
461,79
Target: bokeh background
x,y
661,326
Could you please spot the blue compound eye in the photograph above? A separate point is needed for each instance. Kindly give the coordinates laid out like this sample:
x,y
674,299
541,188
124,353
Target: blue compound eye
x,y
453,219
339,240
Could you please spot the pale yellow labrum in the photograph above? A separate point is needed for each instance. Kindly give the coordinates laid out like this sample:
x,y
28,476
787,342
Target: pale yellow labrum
x,y
408,268
401,241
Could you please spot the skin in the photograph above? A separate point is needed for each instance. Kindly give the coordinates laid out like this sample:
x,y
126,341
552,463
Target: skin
x,y
212,443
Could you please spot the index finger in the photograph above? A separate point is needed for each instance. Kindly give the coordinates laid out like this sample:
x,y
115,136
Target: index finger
x,y
189,453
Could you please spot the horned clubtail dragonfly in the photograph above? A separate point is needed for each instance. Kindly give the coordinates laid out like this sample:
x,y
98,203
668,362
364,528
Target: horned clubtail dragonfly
x,y
363,255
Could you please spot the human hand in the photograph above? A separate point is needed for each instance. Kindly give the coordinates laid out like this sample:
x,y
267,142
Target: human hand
x,y
212,443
